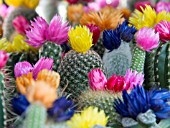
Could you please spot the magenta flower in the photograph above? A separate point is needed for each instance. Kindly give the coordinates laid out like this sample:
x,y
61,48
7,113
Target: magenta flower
x,y
22,68
40,32
57,31
163,28
96,32
3,58
161,6
147,39
93,6
103,3
37,33
43,63
97,79
25,67
4,10
115,83
133,79
20,24
142,4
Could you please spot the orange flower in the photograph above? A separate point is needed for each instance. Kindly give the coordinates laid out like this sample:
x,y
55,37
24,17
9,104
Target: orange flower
x,y
24,82
75,12
107,18
42,92
51,77
126,12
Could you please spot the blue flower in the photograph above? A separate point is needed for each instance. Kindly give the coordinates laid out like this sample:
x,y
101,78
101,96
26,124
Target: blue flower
x,y
62,109
159,103
134,103
20,104
127,31
111,39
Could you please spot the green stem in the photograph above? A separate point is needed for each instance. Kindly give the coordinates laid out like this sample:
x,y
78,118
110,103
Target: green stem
x,y
138,60
35,116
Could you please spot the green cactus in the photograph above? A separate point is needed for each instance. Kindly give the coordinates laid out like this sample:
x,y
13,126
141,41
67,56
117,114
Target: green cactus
x,y
100,99
118,61
144,120
138,60
74,70
52,124
3,114
35,116
51,50
9,30
157,66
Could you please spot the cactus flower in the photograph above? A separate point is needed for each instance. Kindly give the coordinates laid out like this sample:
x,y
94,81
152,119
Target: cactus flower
x,y
162,6
103,3
133,79
3,58
147,39
163,28
142,4
115,83
72,1
22,68
97,79
20,24
96,32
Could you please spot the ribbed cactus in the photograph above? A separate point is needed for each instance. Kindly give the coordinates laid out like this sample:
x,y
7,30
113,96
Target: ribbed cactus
x,y
77,63
118,60
3,114
9,31
157,66
51,50
35,116
100,99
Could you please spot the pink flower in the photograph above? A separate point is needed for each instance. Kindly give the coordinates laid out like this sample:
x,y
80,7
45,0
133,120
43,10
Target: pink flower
x,y
21,24
96,32
133,79
3,59
22,68
97,79
40,32
103,3
146,39
115,83
93,6
25,67
142,4
42,64
161,6
4,10
163,28
57,31
37,33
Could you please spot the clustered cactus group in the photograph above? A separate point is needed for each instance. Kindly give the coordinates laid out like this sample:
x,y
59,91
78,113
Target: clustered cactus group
x,y
104,67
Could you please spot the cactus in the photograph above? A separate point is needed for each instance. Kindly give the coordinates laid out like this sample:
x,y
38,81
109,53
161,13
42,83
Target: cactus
x,y
51,50
52,124
99,48
100,99
9,31
157,66
118,61
35,116
74,69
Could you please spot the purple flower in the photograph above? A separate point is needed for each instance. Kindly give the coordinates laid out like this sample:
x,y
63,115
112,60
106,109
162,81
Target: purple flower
x,y
22,68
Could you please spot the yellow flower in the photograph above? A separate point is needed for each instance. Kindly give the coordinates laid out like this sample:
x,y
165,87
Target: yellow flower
x,y
27,3
31,3
80,39
0,2
162,16
88,118
18,45
15,3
